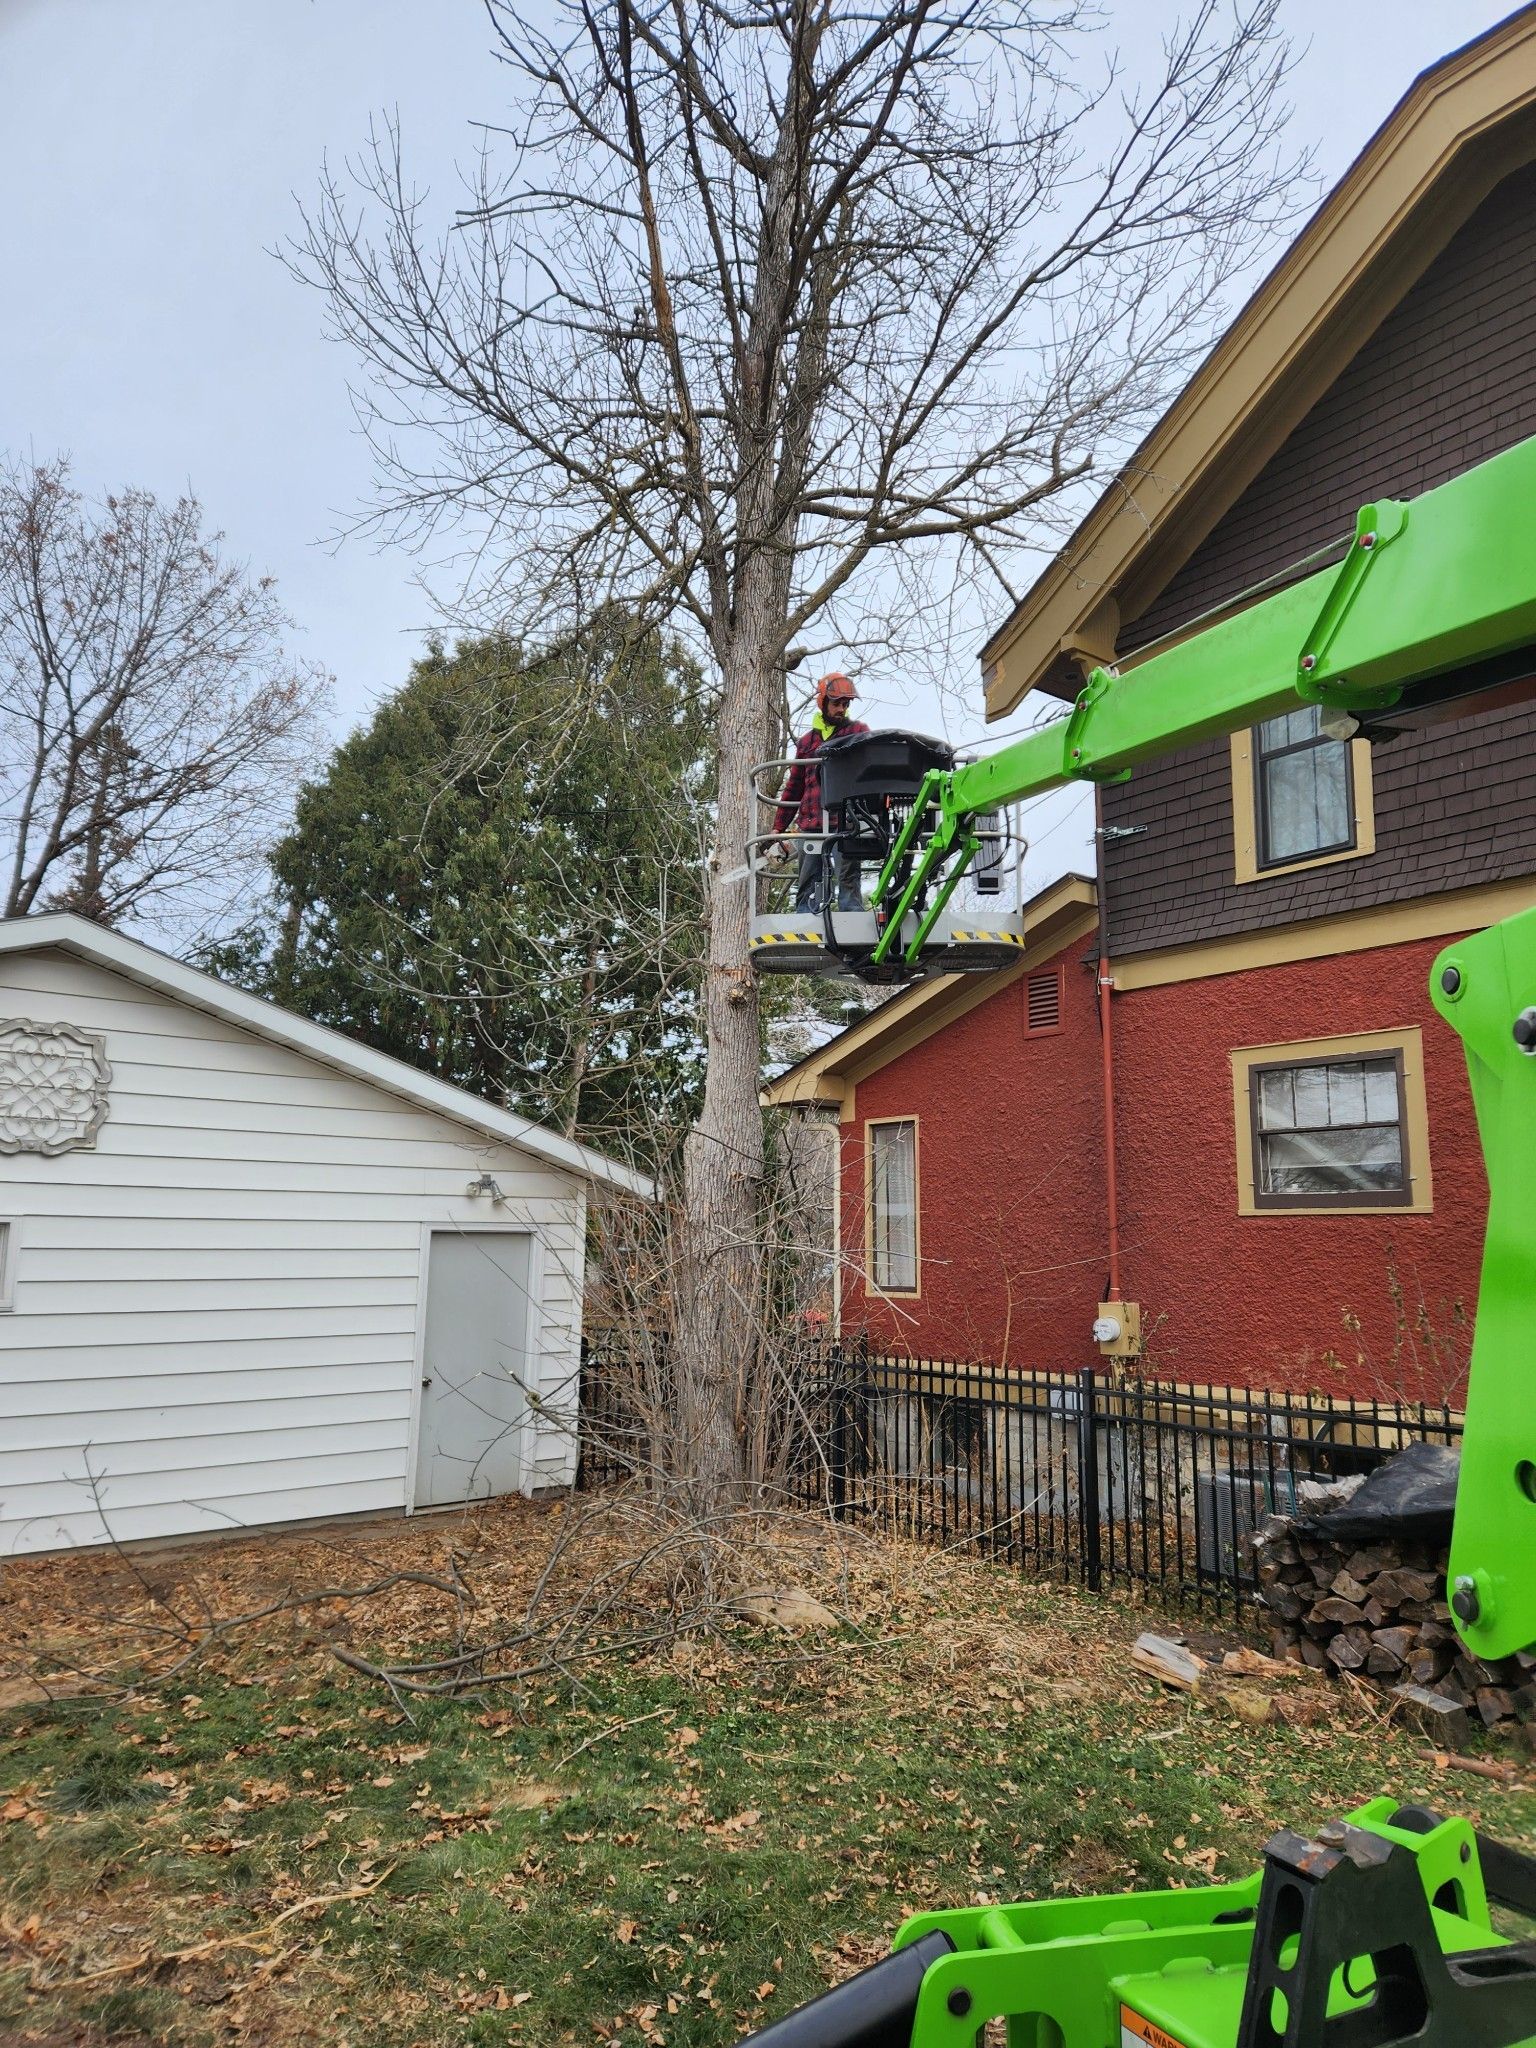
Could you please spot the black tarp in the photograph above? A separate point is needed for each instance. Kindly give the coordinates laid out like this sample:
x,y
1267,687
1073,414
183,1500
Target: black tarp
x,y
1412,1495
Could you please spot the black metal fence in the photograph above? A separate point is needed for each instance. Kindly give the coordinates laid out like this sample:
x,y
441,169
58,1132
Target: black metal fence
x,y
1082,1476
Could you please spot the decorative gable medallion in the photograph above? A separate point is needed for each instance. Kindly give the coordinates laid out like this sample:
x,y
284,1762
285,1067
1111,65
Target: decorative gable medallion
x,y
53,1086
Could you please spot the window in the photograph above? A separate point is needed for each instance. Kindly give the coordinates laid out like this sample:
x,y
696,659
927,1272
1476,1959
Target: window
x,y
1299,799
1042,1005
893,1206
1304,800
1330,1128
1333,1124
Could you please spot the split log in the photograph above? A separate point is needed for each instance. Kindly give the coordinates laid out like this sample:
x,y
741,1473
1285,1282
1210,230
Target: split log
x,y
1398,1641
1395,1586
1494,1704
1439,1716
1348,1649
1365,1564
1247,1663
1388,1652
1282,1601
1171,1662
1344,1612
1348,1587
1428,1663
1379,1609
1469,1674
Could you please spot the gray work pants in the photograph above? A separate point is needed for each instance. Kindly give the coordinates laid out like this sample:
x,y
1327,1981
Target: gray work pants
x,y
808,882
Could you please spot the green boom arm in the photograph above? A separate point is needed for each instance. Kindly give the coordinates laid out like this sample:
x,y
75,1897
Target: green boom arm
x,y
1445,580
1426,588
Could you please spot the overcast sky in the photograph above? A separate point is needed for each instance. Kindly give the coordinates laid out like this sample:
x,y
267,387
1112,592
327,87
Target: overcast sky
x,y
150,151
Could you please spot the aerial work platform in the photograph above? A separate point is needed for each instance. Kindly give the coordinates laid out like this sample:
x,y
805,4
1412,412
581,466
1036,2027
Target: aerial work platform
x,y
868,784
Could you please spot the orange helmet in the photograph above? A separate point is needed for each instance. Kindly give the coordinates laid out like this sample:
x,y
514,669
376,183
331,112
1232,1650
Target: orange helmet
x,y
834,688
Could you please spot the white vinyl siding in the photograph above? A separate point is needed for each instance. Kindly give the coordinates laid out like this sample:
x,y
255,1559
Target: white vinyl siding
x,y
217,1309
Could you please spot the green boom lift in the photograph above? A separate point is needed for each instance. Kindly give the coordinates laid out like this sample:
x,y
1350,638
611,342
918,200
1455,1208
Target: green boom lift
x,y
1375,1931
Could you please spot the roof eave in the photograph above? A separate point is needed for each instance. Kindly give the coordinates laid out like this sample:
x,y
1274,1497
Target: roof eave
x,y
1379,227
822,1078
159,971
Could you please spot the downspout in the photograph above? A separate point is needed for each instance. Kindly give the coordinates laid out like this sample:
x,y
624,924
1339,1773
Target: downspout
x,y
1107,1053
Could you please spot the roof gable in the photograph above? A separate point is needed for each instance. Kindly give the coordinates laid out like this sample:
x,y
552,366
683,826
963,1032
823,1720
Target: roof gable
x,y
1461,127
173,978
1058,915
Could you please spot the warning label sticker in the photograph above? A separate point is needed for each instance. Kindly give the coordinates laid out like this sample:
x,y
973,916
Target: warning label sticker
x,y
1136,2032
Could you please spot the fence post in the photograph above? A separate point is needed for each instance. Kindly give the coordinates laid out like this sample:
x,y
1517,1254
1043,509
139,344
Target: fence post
x,y
1088,1477
837,1460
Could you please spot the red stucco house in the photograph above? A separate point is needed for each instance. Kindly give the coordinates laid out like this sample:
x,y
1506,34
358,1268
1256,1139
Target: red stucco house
x,y
1259,1134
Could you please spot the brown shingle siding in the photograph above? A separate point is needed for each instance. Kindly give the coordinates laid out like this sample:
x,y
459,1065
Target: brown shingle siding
x,y
1445,819
1448,379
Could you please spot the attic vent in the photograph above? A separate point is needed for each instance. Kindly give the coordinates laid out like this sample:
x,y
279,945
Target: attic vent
x,y
1043,1003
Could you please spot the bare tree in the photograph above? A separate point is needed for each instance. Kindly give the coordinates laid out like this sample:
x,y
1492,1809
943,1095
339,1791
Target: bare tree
x,y
784,322
153,727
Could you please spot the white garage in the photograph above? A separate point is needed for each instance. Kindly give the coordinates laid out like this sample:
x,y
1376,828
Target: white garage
x,y
252,1272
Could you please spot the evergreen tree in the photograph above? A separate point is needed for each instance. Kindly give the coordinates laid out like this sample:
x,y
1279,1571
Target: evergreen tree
x,y
499,879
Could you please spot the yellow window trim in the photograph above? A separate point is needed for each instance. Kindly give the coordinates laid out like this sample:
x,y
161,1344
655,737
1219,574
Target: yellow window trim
x,y
871,1285
1406,1039
1245,824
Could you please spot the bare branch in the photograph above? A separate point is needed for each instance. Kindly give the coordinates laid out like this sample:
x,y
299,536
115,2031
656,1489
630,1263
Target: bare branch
x,y
153,726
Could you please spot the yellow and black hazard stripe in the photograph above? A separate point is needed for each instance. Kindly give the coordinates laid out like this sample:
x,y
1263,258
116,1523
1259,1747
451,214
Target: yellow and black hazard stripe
x,y
788,939
985,939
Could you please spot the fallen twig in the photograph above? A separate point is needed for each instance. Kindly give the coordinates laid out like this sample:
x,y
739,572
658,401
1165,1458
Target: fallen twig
x,y
618,1728
259,1939
1448,1760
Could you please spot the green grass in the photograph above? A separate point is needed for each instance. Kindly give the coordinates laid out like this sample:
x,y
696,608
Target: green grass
x,y
701,1868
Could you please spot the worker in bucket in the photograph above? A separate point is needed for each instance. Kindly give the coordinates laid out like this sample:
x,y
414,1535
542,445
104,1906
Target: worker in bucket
x,y
800,798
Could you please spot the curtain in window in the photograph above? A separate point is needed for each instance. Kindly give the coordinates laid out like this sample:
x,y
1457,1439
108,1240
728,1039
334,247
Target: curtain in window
x,y
1303,787
1332,1129
893,1195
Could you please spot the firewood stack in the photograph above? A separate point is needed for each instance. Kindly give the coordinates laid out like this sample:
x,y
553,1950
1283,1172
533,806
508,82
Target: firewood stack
x,y
1380,1611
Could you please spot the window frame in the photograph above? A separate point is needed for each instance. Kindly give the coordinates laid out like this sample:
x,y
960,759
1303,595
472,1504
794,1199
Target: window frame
x,y
1378,1198
1247,810
1405,1045
872,1282
10,1245
1262,756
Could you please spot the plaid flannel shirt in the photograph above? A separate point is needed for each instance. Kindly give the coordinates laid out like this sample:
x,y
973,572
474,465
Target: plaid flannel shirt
x,y
800,798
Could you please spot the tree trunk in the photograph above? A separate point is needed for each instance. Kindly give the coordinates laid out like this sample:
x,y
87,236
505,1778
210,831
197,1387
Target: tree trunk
x,y
581,1054
718,1307
285,957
